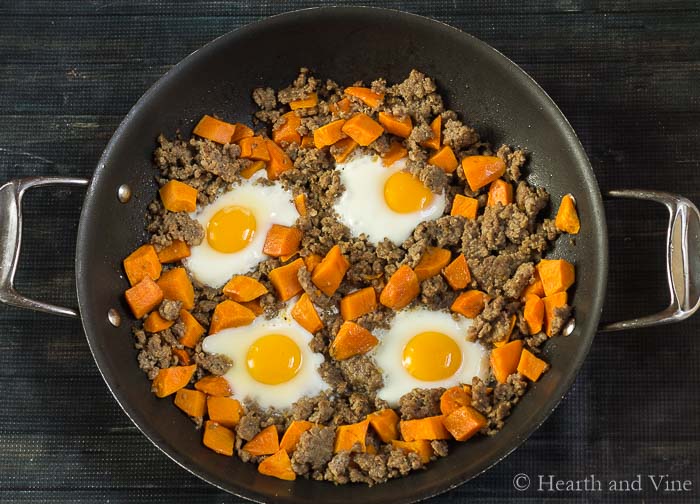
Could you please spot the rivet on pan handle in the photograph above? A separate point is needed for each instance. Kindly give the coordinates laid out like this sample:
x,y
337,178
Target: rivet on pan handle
x,y
11,195
682,260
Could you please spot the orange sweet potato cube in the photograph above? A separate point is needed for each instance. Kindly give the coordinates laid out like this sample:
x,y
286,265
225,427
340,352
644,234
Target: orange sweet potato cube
x,y
352,339
218,438
464,422
224,411
143,297
142,262
465,206
347,435
557,275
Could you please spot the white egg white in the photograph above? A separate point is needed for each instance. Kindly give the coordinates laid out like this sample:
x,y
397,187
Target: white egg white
x,y
388,354
362,207
235,342
269,204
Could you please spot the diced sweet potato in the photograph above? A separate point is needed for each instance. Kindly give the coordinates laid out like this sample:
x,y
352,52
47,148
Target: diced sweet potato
x,y
535,288
155,323
432,261
254,148
216,386
192,402
366,95
292,435
285,280
557,275
385,423
445,159
328,275
174,252
363,129
530,366
329,134
311,261
342,105
178,197
224,410
176,286
352,339
143,297
534,313
434,141
193,330
287,131
254,306
182,356
300,204
170,380
551,303
252,169
470,303
230,314
500,192
429,428
421,447
242,131
213,129
306,315
464,422
265,442
399,126
282,241
142,262
396,151
218,438
342,149
347,435
279,161
465,206
504,360
567,217
402,288
358,303
482,170
452,399
243,288
310,101
278,465
457,273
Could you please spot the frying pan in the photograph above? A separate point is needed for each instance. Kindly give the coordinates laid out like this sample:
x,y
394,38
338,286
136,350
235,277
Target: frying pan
x,y
346,44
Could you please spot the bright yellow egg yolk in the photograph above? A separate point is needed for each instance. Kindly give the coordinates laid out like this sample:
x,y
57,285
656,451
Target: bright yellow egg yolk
x,y
273,359
404,193
431,356
231,229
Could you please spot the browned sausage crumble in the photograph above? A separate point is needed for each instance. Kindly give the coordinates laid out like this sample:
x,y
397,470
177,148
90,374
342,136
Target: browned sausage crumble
x,y
501,246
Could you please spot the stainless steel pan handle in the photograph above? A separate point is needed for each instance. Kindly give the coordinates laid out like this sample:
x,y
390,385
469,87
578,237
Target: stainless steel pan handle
x,y
11,195
682,260
682,252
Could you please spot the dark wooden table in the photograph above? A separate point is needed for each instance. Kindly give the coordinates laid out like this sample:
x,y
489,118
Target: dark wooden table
x,y
627,75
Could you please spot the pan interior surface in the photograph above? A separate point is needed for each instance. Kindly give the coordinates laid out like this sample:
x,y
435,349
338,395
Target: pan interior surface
x,y
345,44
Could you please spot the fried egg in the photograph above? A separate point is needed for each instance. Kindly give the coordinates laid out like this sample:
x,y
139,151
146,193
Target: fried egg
x,y
272,362
235,225
384,202
426,349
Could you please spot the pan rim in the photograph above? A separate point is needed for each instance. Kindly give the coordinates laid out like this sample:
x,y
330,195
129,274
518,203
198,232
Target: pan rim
x,y
90,327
